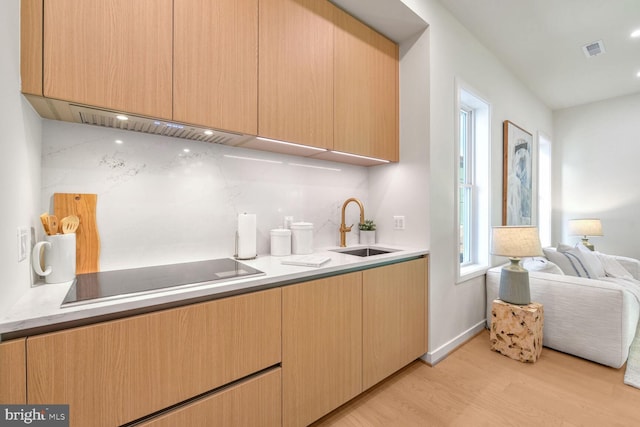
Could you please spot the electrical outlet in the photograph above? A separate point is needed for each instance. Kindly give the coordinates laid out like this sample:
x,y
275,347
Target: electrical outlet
x,y
398,222
23,243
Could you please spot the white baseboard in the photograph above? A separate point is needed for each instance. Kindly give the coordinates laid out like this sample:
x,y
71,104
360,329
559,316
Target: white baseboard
x,y
443,351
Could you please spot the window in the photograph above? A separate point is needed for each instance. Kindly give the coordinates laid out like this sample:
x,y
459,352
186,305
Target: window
x,y
465,185
473,160
544,189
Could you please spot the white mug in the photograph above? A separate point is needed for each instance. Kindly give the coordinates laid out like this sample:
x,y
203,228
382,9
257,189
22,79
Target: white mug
x,y
59,258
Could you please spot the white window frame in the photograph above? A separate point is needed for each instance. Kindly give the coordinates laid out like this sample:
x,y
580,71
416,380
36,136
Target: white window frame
x,y
544,173
481,188
468,183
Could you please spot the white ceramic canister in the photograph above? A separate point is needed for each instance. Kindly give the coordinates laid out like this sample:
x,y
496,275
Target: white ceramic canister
x,y
280,242
302,238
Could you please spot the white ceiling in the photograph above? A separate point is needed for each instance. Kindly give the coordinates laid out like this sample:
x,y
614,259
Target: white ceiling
x,y
541,42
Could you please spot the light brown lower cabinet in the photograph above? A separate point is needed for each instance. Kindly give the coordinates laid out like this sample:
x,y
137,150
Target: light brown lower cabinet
x,y
343,334
284,356
321,347
394,318
119,371
255,402
13,366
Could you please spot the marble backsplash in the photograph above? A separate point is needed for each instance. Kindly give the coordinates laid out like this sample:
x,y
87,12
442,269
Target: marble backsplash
x,y
164,200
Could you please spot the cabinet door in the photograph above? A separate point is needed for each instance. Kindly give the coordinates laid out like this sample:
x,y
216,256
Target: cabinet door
x,y
115,54
366,91
295,101
216,64
115,372
31,46
321,347
254,402
13,372
394,318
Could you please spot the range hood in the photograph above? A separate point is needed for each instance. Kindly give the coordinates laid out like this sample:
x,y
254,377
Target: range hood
x,y
65,111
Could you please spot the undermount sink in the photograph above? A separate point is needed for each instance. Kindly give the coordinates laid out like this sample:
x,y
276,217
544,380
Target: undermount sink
x,y
364,251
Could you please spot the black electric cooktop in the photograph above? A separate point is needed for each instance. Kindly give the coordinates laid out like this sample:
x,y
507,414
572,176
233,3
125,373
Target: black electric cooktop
x,y
94,287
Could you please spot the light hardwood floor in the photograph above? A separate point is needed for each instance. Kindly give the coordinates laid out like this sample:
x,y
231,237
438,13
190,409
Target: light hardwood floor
x,y
475,386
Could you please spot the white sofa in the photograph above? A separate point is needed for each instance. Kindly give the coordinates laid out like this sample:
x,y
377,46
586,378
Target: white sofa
x,y
595,319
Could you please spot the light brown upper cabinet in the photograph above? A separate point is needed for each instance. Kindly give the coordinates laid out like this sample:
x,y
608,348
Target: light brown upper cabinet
x,y
216,64
326,80
295,99
115,54
300,71
365,90
31,46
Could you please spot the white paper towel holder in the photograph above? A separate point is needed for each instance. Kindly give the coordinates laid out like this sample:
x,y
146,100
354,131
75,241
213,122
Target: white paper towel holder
x,y
236,256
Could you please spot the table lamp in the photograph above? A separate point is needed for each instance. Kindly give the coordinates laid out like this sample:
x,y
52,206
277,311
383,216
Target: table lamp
x,y
585,227
515,242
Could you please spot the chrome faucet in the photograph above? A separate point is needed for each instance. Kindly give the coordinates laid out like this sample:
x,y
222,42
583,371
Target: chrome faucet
x,y
343,228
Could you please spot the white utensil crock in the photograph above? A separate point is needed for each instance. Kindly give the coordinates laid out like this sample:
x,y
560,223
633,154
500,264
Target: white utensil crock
x,y
59,258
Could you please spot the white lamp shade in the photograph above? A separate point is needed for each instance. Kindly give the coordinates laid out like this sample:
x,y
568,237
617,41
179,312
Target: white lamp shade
x,y
515,241
585,227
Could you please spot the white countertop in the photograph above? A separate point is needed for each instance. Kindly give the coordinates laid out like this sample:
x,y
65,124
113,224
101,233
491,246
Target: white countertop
x,y
40,307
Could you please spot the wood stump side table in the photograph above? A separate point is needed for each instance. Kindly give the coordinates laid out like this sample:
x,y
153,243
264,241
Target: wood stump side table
x,y
516,330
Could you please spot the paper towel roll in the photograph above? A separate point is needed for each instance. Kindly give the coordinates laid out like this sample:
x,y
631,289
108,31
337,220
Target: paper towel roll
x,y
247,236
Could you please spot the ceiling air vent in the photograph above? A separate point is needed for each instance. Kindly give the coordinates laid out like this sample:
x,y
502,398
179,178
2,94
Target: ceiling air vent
x,y
108,119
593,49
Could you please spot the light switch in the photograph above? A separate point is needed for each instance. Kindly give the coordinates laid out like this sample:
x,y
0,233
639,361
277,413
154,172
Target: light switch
x,y
398,222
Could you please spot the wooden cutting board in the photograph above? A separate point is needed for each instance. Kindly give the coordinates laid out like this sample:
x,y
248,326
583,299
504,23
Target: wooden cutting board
x,y
87,238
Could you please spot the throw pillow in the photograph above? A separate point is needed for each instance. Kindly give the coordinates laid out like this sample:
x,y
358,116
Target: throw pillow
x,y
559,259
591,260
570,262
612,267
563,247
541,264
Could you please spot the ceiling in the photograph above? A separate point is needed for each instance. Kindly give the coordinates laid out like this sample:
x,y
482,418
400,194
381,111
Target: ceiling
x,y
541,42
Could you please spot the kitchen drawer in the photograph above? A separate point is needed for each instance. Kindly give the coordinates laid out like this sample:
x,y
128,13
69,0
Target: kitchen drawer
x,y
254,402
119,371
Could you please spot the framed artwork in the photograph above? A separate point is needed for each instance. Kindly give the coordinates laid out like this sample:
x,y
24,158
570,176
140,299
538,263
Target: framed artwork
x,y
517,191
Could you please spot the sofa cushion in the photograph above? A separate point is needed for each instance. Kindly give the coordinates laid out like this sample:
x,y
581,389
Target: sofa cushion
x,y
541,264
571,261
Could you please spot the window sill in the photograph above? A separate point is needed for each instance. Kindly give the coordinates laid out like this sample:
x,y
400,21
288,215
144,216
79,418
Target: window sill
x,y
471,272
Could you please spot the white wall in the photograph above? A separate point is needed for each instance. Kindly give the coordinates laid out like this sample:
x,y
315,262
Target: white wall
x,y
403,188
596,150
19,161
158,204
457,310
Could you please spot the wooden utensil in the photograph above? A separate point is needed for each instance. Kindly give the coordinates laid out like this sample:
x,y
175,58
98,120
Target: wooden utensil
x,y
69,224
44,218
87,239
53,224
